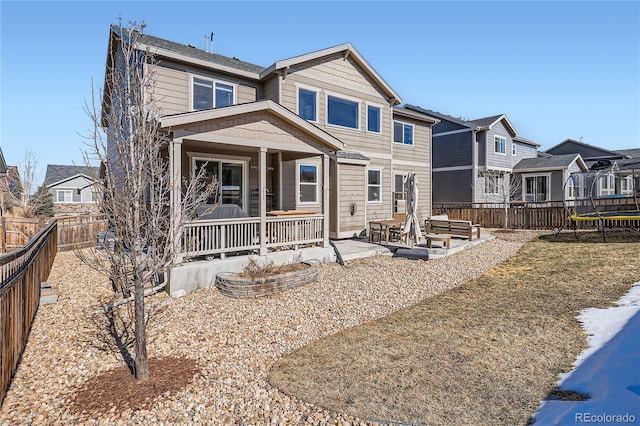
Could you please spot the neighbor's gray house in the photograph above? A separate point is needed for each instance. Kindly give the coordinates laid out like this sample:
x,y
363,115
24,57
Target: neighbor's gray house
x,y
547,177
613,182
471,159
308,148
74,188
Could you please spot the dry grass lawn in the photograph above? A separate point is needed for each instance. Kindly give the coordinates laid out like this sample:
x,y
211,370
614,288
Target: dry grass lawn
x,y
484,353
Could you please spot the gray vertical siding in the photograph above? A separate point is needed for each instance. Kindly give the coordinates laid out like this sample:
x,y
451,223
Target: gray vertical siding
x,y
494,159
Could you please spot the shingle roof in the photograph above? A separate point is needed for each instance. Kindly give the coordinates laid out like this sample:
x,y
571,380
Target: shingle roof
x,y
439,115
3,164
195,52
632,153
486,121
56,172
351,155
553,162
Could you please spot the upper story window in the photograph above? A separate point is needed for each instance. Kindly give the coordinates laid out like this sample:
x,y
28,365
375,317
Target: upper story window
x,y
403,133
500,144
373,118
513,149
209,94
308,104
626,185
342,112
308,183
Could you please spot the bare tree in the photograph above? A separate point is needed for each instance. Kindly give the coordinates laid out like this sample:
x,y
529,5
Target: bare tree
x,y
508,187
19,185
129,143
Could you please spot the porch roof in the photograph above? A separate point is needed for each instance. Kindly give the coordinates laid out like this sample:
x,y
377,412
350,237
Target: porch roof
x,y
179,124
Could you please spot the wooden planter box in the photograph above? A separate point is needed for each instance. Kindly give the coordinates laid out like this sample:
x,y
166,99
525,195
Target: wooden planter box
x,y
231,285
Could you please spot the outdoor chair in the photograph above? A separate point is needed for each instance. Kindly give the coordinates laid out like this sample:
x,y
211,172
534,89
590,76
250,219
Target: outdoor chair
x,y
375,232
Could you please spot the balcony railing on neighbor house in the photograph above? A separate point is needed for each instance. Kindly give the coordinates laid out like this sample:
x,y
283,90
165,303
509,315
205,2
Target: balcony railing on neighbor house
x,y
223,236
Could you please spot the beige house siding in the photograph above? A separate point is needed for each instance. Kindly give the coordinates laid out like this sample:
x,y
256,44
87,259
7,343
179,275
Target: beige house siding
x,y
351,190
271,89
173,86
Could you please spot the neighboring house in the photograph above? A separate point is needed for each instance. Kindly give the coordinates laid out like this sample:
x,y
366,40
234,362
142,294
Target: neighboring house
x,y
10,187
73,188
548,177
318,133
621,178
471,159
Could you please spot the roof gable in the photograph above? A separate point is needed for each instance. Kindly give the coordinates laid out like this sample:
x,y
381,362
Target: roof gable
x,y
570,146
348,51
57,173
488,122
554,162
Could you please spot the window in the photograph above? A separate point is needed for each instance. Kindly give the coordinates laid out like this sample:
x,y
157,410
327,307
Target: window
x,y
500,144
536,188
513,149
374,185
90,197
308,104
491,184
308,184
607,184
342,112
572,189
64,196
402,133
373,119
626,185
208,94
230,176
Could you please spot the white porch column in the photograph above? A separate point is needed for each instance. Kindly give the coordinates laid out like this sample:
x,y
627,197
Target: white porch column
x,y
175,168
262,185
325,200
280,204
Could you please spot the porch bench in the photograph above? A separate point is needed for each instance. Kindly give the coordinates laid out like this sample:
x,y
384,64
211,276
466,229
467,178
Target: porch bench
x,y
463,228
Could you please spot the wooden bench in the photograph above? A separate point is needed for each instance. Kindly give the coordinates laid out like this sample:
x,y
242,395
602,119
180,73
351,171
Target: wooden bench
x,y
463,228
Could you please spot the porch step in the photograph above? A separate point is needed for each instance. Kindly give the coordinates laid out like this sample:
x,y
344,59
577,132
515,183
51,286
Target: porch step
x,y
48,294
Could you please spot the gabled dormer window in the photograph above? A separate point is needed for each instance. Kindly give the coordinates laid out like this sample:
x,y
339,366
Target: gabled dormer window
x,y
207,94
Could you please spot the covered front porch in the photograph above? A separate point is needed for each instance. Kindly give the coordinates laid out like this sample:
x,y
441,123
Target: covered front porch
x,y
272,168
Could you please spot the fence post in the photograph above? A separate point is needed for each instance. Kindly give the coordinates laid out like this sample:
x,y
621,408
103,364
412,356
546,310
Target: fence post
x,y
3,235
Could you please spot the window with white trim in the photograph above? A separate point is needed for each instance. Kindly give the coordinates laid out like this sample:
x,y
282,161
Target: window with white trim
x,y
308,175
626,185
373,118
513,149
402,133
536,188
308,104
343,112
374,185
491,184
500,144
572,188
64,196
207,94
607,184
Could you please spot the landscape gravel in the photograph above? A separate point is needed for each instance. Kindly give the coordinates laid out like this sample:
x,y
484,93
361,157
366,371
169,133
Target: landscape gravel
x,y
234,342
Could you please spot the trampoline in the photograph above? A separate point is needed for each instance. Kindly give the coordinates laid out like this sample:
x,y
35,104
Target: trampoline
x,y
607,193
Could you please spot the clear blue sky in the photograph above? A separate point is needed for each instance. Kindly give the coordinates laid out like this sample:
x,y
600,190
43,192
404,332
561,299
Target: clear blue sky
x,y
557,69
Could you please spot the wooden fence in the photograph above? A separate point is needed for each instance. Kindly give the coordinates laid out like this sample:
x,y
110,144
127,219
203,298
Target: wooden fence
x,y
547,215
73,231
21,273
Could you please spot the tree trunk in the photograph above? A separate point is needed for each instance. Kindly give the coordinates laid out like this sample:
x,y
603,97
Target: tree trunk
x,y
141,361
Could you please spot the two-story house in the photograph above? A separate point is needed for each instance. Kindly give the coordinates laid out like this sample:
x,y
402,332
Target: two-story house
x,y
473,159
308,148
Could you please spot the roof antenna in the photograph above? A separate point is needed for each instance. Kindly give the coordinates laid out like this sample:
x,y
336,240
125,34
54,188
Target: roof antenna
x,y
211,43
580,139
208,42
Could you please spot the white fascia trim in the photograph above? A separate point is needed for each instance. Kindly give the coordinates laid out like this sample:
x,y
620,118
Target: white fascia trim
x,y
351,51
419,164
452,132
51,185
452,169
158,51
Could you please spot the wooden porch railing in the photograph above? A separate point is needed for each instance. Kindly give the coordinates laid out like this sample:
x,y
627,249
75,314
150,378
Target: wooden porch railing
x,y
21,273
222,236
